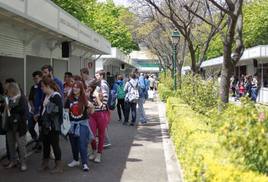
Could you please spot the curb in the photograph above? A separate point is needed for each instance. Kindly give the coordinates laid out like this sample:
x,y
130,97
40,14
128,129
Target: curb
x,y
174,171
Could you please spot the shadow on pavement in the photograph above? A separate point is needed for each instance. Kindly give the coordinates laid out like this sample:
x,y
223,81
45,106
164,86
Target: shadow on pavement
x,y
113,163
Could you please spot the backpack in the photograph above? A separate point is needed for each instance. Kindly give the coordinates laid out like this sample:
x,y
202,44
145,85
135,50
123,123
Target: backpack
x,y
112,100
133,94
120,92
112,97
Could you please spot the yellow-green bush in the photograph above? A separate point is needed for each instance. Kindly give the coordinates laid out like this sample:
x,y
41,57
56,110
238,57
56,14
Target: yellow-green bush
x,y
201,95
165,89
198,148
164,92
243,134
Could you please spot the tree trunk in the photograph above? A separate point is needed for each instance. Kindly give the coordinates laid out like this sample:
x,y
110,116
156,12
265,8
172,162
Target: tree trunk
x,y
226,74
228,64
193,58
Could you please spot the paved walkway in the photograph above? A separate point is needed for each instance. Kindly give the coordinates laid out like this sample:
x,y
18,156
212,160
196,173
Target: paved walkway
x,y
138,154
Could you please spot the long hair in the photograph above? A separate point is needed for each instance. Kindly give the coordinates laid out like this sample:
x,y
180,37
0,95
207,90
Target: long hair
x,y
47,81
82,100
93,83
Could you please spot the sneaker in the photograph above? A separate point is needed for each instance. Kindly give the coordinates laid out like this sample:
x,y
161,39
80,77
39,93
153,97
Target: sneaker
x,y
11,165
125,123
92,156
98,158
144,122
85,167
74,163
107,145
132,124
52,156
23,166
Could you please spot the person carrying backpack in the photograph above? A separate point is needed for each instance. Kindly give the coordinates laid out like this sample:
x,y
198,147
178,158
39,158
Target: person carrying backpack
x,y
132,96
142,97
119,88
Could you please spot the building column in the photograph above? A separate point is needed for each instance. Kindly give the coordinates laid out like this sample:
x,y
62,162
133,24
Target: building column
x,y
24,69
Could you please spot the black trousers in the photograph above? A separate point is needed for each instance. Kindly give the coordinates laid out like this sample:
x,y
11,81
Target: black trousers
x,y
51,139
120,107
130,107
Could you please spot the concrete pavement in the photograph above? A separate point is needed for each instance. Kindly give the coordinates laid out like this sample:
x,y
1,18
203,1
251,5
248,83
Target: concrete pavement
x,y
137,155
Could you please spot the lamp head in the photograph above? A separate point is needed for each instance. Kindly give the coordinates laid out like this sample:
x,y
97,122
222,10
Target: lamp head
x,y
175,37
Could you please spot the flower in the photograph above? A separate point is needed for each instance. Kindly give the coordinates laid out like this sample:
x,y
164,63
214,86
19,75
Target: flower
x,y
261,117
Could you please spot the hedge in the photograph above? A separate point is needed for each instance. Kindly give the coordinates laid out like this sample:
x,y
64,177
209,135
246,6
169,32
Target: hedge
x,y
201,154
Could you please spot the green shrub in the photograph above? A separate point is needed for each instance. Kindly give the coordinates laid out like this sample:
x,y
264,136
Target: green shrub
x,y
166,80
201,95
199,150
245,136
164,92
165,87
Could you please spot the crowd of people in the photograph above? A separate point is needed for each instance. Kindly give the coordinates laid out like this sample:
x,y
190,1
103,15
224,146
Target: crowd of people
x,y
245,86
87,102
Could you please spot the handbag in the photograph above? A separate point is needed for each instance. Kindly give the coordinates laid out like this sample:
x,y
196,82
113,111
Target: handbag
x,y
3,123
4,116
66,124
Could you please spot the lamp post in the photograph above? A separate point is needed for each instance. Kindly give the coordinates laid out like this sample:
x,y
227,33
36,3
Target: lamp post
x,y
175,40
164,67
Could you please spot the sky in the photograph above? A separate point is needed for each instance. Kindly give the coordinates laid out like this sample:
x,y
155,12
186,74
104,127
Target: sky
x,y
120,2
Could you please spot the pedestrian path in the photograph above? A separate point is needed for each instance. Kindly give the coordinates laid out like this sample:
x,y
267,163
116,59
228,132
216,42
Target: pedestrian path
x,y
137,155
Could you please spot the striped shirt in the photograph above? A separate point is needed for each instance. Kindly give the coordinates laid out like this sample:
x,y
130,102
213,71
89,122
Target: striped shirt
x,y
104,101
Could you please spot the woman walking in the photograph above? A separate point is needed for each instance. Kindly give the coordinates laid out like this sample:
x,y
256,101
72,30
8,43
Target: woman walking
x,y
80,133
51,120
17,111
99,119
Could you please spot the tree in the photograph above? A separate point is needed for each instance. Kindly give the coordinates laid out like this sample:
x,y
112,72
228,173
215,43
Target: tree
x,y
155,33
232,41
254,28
105,18
232,38
196,35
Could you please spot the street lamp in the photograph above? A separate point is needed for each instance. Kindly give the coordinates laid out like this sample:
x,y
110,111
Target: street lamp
x,y
175,41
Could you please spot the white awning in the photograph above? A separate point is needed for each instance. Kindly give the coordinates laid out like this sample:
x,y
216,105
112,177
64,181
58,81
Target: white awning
x,y
258,52
48,15
116,57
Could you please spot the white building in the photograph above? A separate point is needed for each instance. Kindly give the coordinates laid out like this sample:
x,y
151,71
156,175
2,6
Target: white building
x,y
115,63
254,60
37,32
145,60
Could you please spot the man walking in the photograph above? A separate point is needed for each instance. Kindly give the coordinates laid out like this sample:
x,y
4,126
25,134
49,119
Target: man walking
x,y
35,100
47,71
142,97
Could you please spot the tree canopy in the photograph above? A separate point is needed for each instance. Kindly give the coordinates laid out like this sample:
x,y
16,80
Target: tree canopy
x,y
254,31
105,18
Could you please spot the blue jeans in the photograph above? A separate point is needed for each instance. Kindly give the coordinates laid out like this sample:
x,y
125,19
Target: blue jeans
x,y
130,106
254,93
141,101
79,144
